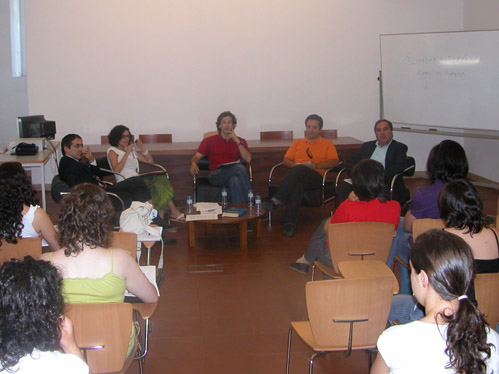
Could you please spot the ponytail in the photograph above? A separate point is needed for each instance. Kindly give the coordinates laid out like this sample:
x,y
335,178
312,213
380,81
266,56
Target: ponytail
x,y
467,339
448,262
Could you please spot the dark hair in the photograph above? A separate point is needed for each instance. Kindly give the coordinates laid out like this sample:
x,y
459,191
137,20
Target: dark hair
x,y
461,207
447,161
115,134
67,140
15,192
226,114
369,181
448,262
85,218
31,309
390,125
315,117
9,169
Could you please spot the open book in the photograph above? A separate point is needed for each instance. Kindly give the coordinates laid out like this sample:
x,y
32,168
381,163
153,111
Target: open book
x,y
150,273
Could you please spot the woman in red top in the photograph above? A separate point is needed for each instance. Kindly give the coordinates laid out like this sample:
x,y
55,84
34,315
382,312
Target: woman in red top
x,y
368,202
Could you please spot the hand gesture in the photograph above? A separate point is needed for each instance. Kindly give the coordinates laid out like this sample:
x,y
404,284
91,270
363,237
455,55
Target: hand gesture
x,y
140,145
88,154
194,168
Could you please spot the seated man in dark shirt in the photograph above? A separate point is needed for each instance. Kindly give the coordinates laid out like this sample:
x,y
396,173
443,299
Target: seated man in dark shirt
x,y
389,152
78,166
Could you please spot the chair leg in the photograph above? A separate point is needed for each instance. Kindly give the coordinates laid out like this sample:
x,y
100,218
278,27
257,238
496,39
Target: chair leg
x,y
270,218
311,362
289,349
313,271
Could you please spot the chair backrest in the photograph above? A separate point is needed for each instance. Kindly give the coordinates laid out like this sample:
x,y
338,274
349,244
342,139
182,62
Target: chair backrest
x,y
360,240
24,247
327,133
276,135
156,138
209,133
422,225
102,324
331,301
126,241
486,289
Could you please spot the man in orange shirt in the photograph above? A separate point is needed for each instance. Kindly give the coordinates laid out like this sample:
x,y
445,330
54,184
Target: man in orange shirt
x,y
307,160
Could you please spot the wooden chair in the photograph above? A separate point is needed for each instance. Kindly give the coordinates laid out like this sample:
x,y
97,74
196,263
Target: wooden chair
x,y
354,241
155,138
24,247
487,296
102,331
126,241
209,133
276,135
419,226
327,133
343,315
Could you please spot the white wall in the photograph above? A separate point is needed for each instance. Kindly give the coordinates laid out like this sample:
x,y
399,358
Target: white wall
x,y
483,154
13,91
171,66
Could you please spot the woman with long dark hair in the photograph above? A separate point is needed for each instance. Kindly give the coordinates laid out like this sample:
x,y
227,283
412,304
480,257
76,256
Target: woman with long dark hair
x,y
453,336
461,210
20,214
124,156
33,329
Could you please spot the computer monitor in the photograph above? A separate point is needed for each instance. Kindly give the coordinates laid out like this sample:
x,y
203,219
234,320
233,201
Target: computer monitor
x,y
35,127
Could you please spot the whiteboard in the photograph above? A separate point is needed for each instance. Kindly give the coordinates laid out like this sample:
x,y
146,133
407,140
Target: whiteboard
x,y
448,79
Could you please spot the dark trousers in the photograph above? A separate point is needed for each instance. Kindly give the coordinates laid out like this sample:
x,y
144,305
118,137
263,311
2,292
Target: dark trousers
x,y
299,179
131,189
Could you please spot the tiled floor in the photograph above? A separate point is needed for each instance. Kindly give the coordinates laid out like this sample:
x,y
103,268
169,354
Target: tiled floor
x,y
235,321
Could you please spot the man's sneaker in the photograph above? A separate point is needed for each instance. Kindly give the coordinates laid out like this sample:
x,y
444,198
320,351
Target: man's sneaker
x,y
300,268
288,230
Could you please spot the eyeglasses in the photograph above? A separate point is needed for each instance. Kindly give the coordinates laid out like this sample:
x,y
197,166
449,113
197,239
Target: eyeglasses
x,y
125,136
309,153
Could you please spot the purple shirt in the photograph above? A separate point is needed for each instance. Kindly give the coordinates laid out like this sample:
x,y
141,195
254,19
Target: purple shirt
x,y
424,203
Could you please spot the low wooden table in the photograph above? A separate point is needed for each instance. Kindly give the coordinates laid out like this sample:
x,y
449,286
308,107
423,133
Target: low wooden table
x,y
367,269
242,221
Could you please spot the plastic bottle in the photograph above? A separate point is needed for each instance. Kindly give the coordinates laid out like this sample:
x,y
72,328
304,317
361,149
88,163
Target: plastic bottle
x,y
189,209
258,202
250,198
224,198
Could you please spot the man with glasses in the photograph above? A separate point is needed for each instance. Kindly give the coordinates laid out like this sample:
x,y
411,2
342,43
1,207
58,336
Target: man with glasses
x,y
78,165
307,160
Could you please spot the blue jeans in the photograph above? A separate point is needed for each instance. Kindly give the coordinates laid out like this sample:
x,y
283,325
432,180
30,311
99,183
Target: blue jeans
x,y
405,309
236,179
393,248
404,251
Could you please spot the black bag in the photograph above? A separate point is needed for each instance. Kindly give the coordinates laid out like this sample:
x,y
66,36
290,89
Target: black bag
x,y
26,149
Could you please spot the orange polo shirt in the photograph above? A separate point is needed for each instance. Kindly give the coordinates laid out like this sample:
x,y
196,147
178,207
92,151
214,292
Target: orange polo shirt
x,y
321,150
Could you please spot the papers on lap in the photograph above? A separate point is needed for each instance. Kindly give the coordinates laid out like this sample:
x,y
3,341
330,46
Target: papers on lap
x,y
229,164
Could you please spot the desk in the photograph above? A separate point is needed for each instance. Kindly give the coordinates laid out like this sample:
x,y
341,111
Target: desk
x,y
367,269
36,161
176,158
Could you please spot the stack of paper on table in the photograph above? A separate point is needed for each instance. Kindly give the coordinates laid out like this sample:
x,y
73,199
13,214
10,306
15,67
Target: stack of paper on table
x,y
206,211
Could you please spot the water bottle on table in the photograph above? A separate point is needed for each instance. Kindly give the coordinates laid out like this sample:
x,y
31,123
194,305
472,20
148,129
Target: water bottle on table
x,y
189,209
224,198
258,203
250,198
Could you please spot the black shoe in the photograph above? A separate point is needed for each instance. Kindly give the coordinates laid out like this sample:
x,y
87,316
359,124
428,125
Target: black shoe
x,y
270,206
299,267
166,227
288,230
169,241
